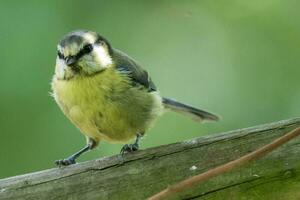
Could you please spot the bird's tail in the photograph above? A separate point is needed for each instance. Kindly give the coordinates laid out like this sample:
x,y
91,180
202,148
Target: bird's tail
x,y
194,113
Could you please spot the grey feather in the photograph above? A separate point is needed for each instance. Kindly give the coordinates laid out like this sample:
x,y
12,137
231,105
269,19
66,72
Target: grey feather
x,y
195,113
140,77
127,65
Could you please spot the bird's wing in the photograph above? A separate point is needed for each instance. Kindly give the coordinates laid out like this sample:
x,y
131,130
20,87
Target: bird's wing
x,y
138,75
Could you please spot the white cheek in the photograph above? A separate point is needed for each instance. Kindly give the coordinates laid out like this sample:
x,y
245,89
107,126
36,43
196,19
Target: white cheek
x,y
102,56
61,69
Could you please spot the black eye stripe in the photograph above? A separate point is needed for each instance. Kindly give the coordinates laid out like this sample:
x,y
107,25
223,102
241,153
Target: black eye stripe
x,y
85,50
60,55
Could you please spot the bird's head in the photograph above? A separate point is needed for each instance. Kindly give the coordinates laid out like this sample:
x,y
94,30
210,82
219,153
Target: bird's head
x,y
82,53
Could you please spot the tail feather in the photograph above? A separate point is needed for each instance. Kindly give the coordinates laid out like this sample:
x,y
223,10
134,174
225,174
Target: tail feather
x,y
195,113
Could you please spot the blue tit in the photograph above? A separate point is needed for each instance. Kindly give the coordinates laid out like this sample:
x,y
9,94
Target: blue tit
x,y
106,94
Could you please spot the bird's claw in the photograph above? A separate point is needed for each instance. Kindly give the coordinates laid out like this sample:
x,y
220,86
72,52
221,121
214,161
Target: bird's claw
x,y
129,148
65,162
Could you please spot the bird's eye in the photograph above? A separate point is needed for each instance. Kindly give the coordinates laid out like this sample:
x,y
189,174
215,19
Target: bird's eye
x,y
88,48
60,55
101,43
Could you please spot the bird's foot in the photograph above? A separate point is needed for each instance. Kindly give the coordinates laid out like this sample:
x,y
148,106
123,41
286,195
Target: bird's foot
x,y
129,148
65,162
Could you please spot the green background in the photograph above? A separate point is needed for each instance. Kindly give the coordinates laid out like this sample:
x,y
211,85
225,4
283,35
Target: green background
x,y
239,59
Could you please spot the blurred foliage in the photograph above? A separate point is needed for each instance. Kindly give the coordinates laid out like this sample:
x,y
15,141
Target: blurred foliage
x,y
236,58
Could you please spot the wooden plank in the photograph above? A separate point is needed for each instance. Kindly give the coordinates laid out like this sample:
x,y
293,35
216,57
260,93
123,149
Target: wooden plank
x,y
143,173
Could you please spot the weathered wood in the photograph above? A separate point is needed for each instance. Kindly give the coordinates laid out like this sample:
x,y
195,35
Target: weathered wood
x,y
141,174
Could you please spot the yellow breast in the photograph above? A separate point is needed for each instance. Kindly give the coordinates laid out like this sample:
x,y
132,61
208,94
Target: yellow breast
x,y
106,106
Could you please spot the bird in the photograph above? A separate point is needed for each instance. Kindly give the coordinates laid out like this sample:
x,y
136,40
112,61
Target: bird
x,y
107,95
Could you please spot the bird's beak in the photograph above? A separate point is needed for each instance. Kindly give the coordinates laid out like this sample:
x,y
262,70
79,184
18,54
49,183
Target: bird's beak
x,y
71,60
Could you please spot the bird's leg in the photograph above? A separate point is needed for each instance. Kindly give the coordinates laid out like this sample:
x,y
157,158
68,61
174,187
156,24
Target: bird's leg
x,y
72,159
132,147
